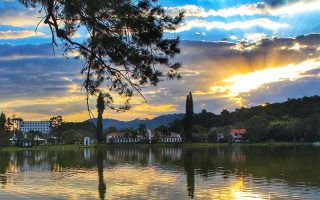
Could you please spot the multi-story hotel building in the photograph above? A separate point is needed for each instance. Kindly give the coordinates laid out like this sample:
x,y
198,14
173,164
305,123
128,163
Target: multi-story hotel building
x,y
42,126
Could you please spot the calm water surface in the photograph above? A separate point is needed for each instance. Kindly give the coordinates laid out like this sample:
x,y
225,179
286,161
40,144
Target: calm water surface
x,y
162,173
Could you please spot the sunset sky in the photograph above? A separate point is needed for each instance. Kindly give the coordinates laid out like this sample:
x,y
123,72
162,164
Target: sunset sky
x,y
234,53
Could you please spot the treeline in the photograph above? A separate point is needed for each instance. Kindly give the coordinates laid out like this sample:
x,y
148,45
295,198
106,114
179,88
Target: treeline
x,y
71,132
293,120
7,130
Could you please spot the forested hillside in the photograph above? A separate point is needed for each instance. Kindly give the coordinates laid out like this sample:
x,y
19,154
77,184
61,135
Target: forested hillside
x,y
293,120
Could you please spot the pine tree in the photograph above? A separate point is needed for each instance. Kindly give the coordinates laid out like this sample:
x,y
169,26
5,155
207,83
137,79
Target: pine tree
x,y
125,48
188,117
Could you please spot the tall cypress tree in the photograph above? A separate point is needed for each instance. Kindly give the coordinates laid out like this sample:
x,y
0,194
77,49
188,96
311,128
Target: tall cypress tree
x,y
188,117
101,108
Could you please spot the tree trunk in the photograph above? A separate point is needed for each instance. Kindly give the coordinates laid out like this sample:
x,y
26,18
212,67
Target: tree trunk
x,y
99,128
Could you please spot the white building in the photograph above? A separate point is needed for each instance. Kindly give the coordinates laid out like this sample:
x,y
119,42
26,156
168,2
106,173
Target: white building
x,y
120,137
42,126
171,138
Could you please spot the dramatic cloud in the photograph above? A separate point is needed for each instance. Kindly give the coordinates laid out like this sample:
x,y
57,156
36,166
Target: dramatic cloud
x,y
268,7
19,34
234,70
265,62
208,25
38,84
20,17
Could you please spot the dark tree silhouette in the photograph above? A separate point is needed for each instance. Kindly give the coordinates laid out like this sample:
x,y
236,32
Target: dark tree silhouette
x,y
3,122
100,107
102,187
125,50
56,121
189,169
188,117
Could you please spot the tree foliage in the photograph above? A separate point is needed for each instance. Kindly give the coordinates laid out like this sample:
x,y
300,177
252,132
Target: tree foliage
x,y
293,120
56,121
125,49
87,128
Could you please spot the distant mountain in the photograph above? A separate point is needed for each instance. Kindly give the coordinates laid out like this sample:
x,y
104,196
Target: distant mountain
x,y
150,123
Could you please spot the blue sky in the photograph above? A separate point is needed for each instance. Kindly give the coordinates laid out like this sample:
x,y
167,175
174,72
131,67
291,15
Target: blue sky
x,y
234,53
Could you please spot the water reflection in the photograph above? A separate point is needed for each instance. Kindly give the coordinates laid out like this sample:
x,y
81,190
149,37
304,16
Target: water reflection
x,y
102,185
165,173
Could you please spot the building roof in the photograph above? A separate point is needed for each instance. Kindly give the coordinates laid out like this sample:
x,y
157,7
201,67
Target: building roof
x,y
171,134
241,131
116,134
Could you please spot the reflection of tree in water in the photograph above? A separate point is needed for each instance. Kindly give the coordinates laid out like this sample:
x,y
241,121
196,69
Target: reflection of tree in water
x,y
189,168
102,185
4,164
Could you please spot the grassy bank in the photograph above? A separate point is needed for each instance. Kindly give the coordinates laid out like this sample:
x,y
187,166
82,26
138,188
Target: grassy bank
x,y
43,147
186,145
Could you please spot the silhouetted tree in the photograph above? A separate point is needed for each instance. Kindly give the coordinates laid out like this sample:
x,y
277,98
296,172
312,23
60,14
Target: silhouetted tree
x,y
125,49
4,135
142,129
189,160
163,130
102,188
257,127
188,117
176,126
3,122
101,108
86,127
56,121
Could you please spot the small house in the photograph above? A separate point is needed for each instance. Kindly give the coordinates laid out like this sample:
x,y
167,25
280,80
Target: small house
x,y
238,134
171,138
86,141
120,137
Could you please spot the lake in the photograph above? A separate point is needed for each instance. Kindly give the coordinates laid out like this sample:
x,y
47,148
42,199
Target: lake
x,y
288,172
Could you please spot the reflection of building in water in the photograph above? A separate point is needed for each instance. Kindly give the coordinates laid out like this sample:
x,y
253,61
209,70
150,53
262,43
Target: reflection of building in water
x,y
87,153
130,153
172,153
29,161
237,154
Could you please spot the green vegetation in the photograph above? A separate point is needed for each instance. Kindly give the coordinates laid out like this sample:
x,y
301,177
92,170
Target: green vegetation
x,y
296,120
71,132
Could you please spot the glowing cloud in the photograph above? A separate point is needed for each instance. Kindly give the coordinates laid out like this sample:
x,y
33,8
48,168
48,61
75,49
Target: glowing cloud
x,y
239,83
20,17
19,34
260,8
208,25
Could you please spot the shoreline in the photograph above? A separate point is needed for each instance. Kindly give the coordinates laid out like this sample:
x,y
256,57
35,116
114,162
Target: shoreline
x,y
184,145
